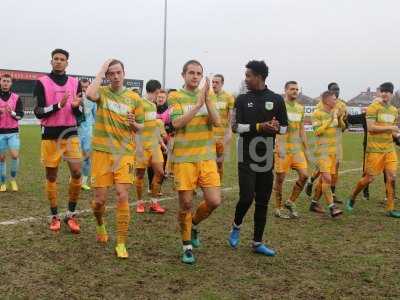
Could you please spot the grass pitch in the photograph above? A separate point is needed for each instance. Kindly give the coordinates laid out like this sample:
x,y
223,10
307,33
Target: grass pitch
x,y
355,257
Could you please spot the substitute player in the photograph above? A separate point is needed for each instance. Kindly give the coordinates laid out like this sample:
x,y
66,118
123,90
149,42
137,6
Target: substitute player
x,y
11,111
58,107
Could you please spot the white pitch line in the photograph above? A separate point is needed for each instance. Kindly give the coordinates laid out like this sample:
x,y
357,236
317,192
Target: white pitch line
x,y
85,211
81,212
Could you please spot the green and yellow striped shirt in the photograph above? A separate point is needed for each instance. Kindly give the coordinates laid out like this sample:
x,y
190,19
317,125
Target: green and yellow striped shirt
x,y
224,104
194,142
112,133
149,135
291,142
384,115
325,133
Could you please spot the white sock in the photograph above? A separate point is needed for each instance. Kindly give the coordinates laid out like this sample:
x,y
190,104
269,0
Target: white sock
x,y
187,247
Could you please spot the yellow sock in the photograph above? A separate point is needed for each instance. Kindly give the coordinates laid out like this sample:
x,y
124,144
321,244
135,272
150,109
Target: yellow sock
x,y
318,190
139,188
74,189
202,212
98,211
51,189
390,195
185,222
327,192
123,216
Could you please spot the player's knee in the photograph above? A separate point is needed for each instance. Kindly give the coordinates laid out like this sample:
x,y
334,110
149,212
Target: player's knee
x,y
369,179
303,178
279,179
140,173
51,178
186,206
160,173
391,178
326,179
214,202
76,174
122,195
99,197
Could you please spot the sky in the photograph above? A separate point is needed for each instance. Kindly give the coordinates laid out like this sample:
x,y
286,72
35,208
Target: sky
x,y
353,42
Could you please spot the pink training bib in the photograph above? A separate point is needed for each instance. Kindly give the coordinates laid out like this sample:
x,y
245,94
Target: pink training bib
x,y
6,119
54,93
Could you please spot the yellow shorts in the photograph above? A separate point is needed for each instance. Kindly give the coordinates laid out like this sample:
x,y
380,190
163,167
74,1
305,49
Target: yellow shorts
x,y
327,164
290,161
149,156
108,169
376,163
189,176
219,147
53,150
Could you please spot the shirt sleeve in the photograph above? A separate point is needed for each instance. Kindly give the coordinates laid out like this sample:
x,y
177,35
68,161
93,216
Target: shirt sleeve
x,y
231,102
19,110
78,111
161,127
282,115
139,111
41,110
175,106
371,113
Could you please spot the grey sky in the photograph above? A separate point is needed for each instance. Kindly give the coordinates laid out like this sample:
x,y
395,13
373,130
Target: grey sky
x,y
353,42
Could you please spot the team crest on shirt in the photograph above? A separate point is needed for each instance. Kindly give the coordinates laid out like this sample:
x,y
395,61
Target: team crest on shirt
x,y
269,105
387,118
294,117
150,116
220,105
202,111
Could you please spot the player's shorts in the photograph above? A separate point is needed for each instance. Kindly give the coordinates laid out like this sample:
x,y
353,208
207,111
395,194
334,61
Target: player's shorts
x,y
189,176
85,137
219,147
9,141
108,169
53,150
149,156
327,164
376,163
290,161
